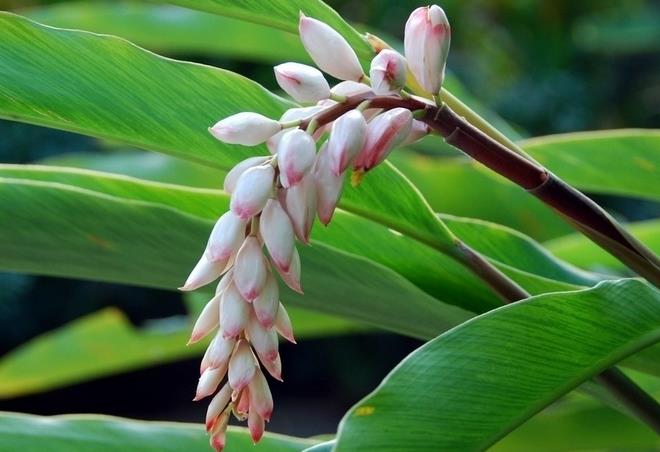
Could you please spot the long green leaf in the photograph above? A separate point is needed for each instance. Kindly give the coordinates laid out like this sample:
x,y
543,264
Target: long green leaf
x,y
469,387
174,30
619,162
95,433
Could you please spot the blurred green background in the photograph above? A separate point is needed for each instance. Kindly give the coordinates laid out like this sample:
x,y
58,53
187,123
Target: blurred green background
x,y
542,67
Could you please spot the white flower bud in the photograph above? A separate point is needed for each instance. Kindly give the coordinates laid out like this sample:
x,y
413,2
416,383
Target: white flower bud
x,y
227,279
303,83
209,382
300,203
384,132
283,324
274,368
263,341
242,366
329,50
388,72
250,269
295,156
277,232
256,425
220,350
260,397
266,304
204,272
350,88
207,320
292,114
292,277
418,131
346,139
328,186
232,176
234,312
245,128
253,189
426,44
217,406
226,236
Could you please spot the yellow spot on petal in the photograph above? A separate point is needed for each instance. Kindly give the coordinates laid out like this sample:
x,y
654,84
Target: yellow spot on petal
x,y
365,410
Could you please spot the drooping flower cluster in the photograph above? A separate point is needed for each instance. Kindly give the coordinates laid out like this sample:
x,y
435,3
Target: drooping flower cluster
x,y
275,199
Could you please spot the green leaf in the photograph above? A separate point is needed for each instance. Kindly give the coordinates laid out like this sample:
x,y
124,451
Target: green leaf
x,y
96,433
69,354
618,162
578,250
469,387
173,30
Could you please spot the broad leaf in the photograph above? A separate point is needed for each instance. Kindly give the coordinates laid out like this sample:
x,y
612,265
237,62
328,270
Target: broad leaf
x,y
95,433
619,162
469,387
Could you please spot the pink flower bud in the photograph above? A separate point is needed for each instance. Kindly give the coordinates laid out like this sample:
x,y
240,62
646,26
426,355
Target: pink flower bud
x,y
328,186
234,312
208,382
206,360
426,44
384,132
207,320
283,324
204,272
329,50
242,366
260,397
295,156
277,232
303,83
250,269
292,277
217,440
274,368
256,425
263,340
217,406
350,88
245,128
388,72
226,236
232,176
253,188
220,350
266,304
300,202
243,403
418,131
346,140
292,114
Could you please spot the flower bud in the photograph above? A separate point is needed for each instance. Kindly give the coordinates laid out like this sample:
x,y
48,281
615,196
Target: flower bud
x,y
292,114
208,382
263,341
204,272
350,88
260,397
242,404
207,320
295,156
303,83
256,425
232,176
220,350
226,236
346,140
250,269
266,304
217,439
283,324
227,279
384,132
245,128
329,50
426,44
242,366
253,189
418,131
234,312
328,186
388,72
274,368
300,202
292,277
217,406
277,232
